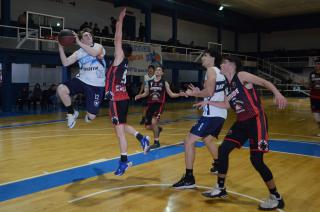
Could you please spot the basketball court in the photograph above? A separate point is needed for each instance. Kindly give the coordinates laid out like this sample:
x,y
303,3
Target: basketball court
x,y
46,166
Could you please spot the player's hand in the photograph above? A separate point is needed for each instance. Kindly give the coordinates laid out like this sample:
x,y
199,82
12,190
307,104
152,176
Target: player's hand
x,y
76,37
193,90
200,105
182,93
281,101
137,97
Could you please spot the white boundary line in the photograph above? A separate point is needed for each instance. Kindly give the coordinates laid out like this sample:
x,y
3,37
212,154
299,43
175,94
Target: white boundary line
x,y
156,185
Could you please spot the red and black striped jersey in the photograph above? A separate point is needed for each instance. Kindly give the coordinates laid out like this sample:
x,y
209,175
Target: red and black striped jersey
x,y
157,91
245,102
116,81
314,85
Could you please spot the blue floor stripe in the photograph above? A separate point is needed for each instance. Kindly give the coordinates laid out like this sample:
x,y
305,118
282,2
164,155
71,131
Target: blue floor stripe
x,y
36,184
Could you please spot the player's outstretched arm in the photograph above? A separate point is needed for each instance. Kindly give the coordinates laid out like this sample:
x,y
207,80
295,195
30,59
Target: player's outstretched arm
x,y
172,94
118,53
280,100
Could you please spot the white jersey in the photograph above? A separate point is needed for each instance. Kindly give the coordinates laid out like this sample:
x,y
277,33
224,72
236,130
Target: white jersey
x,y
218,95
92,70
147,79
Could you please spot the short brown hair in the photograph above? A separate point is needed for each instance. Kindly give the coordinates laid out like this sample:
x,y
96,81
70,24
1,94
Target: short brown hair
x,y
235,60
80,34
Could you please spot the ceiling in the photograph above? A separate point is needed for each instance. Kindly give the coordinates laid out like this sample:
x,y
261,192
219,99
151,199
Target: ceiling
x,y
266,9
244,16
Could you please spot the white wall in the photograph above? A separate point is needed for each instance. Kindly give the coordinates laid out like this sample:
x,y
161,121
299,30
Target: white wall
x,y
200,34
291,40
247,42
161,27
20,73
227,40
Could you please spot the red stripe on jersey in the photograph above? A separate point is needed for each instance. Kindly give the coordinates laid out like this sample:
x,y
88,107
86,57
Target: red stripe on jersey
x,y
233,140
249,97
162,103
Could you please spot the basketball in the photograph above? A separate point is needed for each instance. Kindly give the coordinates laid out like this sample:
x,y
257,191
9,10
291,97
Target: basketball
x,y
66,37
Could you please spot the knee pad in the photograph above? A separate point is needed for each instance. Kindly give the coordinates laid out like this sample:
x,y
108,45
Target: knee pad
x,y
256,159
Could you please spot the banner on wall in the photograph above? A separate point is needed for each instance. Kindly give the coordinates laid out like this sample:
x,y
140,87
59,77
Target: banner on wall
x,y
142,56
312,61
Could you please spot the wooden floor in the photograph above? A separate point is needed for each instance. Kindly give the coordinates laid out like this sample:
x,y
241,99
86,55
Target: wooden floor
x,y
38,145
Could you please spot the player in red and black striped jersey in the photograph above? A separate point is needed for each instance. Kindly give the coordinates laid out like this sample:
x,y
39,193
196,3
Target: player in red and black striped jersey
x,y
314,84
156,92
118,97
251,125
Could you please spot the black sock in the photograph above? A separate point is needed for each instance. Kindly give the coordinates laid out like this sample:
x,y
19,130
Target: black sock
x,y
124,158
156,141
274,192
70,109
221,182
189,173
139,136
215,162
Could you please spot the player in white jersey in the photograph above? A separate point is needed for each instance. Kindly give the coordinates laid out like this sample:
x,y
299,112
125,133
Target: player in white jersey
x,y
212,119
90,80
147,77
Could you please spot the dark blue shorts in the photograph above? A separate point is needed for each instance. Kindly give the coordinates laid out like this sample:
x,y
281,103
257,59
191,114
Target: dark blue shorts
x,y
93,94
207,126
315,105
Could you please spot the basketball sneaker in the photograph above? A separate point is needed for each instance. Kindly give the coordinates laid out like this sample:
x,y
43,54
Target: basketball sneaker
x,y
214,169
155,145
271,203
216,192
72,119
86,119
145,144
123,166
185,182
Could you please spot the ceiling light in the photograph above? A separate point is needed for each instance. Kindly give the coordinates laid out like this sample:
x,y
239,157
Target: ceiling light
x,y
221,8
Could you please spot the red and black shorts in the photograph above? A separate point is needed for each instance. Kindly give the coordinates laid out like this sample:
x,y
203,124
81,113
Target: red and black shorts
x,y
153,109
315,105
255,130
118,111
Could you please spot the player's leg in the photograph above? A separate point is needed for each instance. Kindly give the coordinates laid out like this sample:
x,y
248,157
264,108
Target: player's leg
x,y
156,132
188,180
119,122
65,91
118,112
234,139
215,125
258,134
316,117
213,149
94,98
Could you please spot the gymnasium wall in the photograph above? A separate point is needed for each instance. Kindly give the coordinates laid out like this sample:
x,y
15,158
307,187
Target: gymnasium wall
x,y
291,40
199,33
